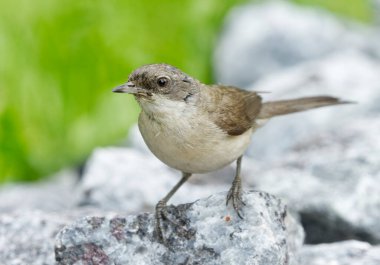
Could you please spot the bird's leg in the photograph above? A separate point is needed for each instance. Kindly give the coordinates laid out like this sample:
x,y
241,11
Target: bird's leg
x,y
161,211
235,193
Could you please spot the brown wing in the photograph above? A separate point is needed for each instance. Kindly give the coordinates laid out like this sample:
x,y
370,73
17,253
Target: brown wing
x,y
230,108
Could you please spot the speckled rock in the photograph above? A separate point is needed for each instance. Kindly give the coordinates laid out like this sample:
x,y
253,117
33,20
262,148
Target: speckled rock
x,y
341,253
211,234
260,39
27,237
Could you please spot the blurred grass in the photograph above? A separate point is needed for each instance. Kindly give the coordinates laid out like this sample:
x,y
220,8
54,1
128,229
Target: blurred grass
x,y
60,60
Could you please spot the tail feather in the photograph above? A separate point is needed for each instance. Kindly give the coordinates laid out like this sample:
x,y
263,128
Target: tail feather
x,y
282,107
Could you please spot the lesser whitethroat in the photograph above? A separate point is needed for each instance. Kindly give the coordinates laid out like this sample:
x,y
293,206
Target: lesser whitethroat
x,y
198,128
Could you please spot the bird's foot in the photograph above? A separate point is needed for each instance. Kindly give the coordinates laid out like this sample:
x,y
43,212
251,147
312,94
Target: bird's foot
x,y
162,215
235,196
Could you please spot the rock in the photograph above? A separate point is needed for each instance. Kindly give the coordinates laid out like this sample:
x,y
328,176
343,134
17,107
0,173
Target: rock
x,y
211,234
331,180
348,75
54,194
32,214
128,180
27,237
341,253
261,39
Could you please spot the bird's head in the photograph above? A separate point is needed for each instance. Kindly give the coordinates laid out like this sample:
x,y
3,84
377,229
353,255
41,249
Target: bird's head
x,y
156,83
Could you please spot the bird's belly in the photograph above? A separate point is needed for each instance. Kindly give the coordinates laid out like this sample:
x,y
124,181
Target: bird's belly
x,y
192,148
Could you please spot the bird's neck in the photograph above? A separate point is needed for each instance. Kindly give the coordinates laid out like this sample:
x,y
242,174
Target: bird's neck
x,y
162,109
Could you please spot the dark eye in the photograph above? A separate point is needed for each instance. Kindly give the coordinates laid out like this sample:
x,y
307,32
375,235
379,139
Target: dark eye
x,y
162,81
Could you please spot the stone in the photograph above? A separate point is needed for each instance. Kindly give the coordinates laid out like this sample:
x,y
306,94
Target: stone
x,y
261,39
350,76
331,180
57,193
27,237
211,233
340,253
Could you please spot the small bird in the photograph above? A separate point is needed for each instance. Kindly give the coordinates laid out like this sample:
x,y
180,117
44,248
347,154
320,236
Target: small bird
x,y
198,128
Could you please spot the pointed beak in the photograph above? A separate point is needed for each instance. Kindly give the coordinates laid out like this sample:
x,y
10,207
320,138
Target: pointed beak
x,y
129,88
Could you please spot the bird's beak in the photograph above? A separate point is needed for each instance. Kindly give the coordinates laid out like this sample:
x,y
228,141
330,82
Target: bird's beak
x,y
129,88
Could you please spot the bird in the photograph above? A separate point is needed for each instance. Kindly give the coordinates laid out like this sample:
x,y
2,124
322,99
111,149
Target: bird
x,y
198,128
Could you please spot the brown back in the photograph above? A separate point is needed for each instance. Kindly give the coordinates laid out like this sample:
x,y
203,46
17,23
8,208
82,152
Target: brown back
x,y
231,109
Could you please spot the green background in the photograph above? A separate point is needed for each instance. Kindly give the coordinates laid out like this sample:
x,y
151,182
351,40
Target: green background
x,y
60,60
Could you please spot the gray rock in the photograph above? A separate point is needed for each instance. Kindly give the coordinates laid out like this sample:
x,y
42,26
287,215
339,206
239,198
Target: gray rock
x,y
27,237
341,253
260,39
348,75
331,180
211,234
32,214
54,194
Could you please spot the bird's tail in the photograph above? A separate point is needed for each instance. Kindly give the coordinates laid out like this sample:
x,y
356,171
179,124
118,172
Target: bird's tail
x,y
282,107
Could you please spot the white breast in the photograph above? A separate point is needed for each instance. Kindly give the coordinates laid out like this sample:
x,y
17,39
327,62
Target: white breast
x,y
185,140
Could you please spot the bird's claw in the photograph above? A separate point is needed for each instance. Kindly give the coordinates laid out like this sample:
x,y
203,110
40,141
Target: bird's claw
x,y
162,214
235,196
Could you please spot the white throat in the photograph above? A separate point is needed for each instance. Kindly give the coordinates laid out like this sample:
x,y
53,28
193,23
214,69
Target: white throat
x,y
161,108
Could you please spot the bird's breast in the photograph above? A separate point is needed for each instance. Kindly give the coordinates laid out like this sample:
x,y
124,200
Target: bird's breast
x,y
188,141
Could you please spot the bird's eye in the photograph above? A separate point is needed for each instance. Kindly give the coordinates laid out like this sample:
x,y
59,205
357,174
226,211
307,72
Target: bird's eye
x,y
162,81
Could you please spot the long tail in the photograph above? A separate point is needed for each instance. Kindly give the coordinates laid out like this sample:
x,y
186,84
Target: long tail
x,y
282,107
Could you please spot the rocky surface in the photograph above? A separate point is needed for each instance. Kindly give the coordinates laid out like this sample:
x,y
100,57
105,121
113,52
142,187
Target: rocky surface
x,y
55,194
331,180
31,215
261,39
211,234
342,253
27,237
